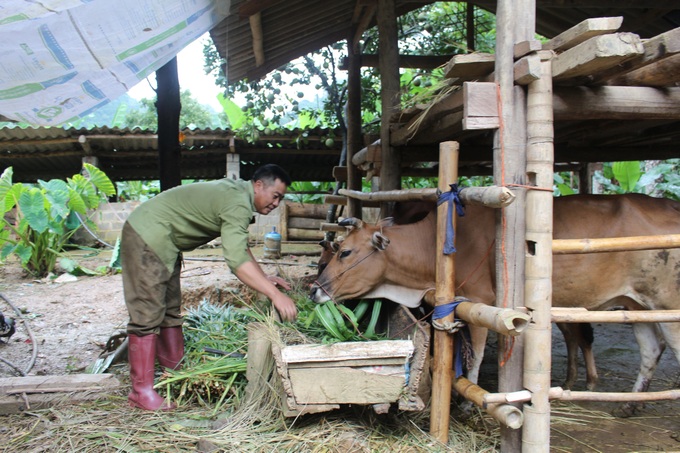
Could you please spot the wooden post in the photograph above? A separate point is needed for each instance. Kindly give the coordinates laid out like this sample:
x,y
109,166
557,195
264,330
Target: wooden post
x,y
514,19
540,158
390,172
354,141
444,294
168,107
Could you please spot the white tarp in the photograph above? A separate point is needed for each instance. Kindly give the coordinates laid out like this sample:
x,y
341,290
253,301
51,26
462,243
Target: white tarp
x,y
62,59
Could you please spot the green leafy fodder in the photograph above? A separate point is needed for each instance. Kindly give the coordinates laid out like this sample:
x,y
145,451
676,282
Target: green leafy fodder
x,y
216,343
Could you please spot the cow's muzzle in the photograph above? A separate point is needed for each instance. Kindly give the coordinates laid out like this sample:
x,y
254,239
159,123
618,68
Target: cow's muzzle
x,y
318,294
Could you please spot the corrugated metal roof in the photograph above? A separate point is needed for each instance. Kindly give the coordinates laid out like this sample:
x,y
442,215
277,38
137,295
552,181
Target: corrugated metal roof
x,y
132,154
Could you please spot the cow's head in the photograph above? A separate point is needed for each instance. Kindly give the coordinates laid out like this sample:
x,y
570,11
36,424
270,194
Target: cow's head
x,y
327,254
357,266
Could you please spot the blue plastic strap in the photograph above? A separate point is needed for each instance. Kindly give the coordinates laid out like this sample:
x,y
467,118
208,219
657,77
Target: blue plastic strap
x,y
463,335
453,198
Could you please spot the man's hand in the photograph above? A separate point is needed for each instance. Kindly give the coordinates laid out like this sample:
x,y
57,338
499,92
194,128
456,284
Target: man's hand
x,y
278,281
285,306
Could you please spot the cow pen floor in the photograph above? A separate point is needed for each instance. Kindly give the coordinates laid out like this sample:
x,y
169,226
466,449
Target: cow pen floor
x,y
72,321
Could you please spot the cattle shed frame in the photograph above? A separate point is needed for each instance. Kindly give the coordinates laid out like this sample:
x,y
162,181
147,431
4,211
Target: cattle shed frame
x,y
520,99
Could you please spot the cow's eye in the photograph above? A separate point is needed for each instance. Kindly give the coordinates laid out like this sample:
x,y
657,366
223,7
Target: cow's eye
x,y
345,253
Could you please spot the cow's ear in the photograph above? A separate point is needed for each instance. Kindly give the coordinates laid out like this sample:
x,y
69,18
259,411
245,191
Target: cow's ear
x,y
386,222
380,241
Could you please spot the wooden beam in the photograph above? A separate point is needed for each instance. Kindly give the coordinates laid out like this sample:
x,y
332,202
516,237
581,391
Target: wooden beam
x,y
405,61
607,102
583,31
661,74
255,6
258,41
363,22
596,54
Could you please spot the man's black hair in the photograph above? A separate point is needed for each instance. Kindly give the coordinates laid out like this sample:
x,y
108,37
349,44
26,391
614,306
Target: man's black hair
x,y
270,173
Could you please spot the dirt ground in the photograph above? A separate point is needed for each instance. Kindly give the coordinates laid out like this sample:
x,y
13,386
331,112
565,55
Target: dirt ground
x,y
72,321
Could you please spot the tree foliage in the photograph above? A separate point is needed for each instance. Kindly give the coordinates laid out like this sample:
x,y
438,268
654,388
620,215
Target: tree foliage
x,y
193,115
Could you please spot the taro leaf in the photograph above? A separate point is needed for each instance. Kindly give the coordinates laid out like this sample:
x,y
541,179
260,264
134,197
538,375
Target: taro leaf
x,y
57,193
24,253
100,180
115,256
627,173
6,251
76,202
12,196
87,192
5,184
32,204
73,268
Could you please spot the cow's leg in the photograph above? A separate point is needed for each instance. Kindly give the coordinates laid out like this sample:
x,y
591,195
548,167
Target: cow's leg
x,y
572,353
586,345
651,347
478,336
579,336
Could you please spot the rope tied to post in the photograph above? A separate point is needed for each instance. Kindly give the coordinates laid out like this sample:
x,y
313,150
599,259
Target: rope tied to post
x,y
458,327
451,197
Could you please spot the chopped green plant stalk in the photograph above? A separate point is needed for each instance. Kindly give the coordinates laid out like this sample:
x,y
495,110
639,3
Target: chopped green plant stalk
x,y
326,318
339,320
375,314
361,309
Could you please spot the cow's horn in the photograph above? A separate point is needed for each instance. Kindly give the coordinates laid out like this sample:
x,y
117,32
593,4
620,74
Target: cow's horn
x,y
351,221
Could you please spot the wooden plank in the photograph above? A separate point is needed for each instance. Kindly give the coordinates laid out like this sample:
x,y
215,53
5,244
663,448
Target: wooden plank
x,y
469,66
384,361
21,393
656,49
50,384
596,54
344,386
347,351
303,222
524,48
314,211
583,31
301,234
480,105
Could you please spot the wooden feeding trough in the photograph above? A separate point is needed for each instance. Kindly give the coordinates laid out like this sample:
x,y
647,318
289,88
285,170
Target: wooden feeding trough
x,y
312,378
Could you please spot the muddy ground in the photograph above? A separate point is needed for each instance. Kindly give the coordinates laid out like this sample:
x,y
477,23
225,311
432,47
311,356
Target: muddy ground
x,y
71,322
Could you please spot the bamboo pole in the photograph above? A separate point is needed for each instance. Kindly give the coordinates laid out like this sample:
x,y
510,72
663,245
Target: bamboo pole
x,y
505,321
444,294
559,314
558,393
617,244
538,287
509,416
491,196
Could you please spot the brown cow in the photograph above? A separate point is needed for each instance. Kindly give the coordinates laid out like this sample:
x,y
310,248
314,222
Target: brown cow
x,y
576,336
397,262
